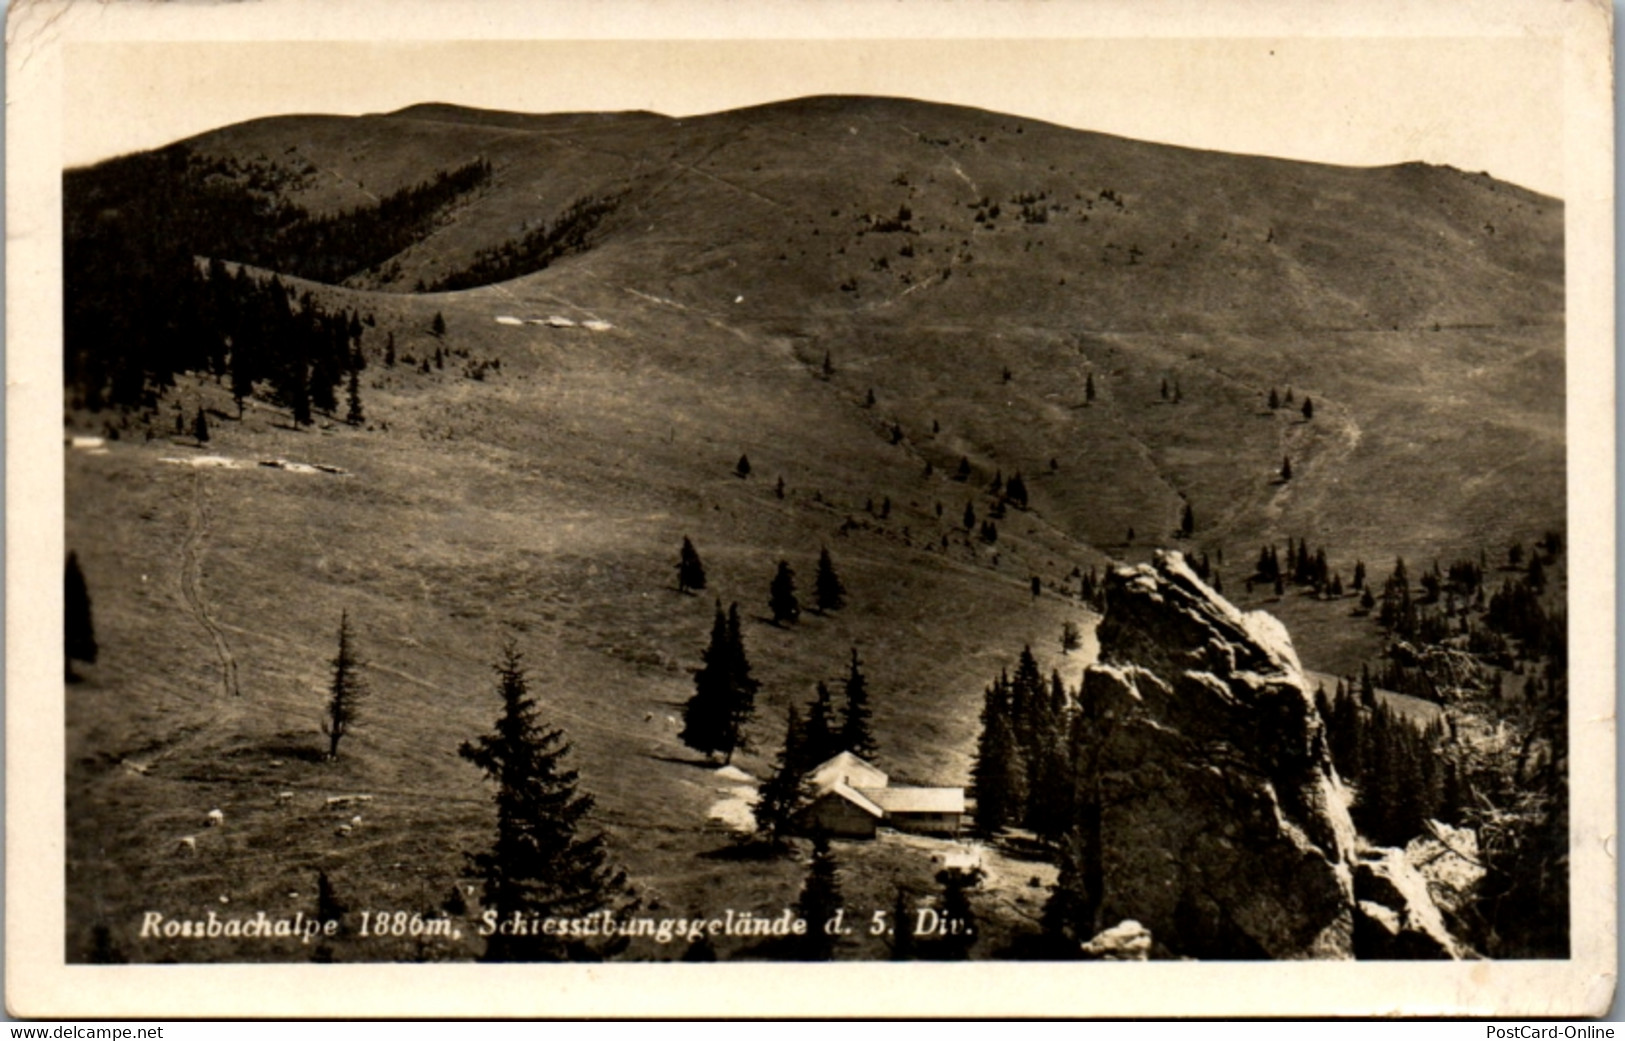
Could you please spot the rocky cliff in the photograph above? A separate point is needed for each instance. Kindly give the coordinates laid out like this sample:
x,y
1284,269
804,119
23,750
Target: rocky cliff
x,y
1209,794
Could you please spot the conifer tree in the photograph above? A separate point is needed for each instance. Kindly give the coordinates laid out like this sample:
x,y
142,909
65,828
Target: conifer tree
x,y
781,599
1016,490
785,791
959,916
829,366
389,350
999,776
962,472
690,572
1089,387
1286,468
346,691
902,942
329,908
1308,408
1071,639
200,427
352,397
724,692
1275,399
1187,522
820,898
856,735
438,325
742,468
542,863
822,737
78,627
1067,921
970,516
829,593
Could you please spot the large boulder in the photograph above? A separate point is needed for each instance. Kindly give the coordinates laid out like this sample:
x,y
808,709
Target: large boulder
x,y
1207,788
1395,916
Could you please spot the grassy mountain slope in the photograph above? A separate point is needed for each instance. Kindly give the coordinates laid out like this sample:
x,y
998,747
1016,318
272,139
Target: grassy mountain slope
x,y
1420,308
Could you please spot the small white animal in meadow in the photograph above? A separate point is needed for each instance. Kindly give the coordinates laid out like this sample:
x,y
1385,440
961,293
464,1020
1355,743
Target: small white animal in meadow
x,y
187,845
671,721
216,818
355,821
284,796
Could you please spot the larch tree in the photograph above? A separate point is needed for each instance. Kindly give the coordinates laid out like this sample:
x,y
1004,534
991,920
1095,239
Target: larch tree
x,y
828,592
345,692
781,595
857,736
690,572
543,863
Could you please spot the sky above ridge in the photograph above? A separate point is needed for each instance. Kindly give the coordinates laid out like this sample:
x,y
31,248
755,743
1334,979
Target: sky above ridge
x,y
1483,103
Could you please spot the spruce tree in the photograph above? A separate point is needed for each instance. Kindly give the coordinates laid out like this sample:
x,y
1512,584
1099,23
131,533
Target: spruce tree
x,y
828,591
389,350
958,915
742,468
1068,920
78,628
1089,387
690,572
998,777
542,863
1308,409
352,396
818,901
1275,399
346,691
781,599
1187,522
724,691
1286,468
856,736
902,942
823,740
438,325
329,908
200,427
785,791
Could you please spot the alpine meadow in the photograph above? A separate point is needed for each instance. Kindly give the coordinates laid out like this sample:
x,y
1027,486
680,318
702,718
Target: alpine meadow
x,y
844,528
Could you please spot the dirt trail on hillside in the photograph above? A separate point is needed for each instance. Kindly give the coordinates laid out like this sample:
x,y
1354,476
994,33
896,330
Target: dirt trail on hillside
x,y
192,584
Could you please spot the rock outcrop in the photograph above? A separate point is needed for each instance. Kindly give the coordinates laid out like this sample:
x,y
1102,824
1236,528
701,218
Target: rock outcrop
x,y
1208,793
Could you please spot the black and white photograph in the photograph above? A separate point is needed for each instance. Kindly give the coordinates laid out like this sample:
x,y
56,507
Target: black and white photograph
x,y
1078,490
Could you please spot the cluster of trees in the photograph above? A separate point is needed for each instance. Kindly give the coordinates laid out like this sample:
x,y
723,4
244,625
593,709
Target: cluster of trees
x,y
138,311
1301,568
570,233
1022,775
1403,775
810,741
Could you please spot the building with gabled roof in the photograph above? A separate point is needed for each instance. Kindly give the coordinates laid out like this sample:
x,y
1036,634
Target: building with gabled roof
x,y
852,798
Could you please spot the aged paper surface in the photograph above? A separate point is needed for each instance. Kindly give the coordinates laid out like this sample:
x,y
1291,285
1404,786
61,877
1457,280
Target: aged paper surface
x,y
97,863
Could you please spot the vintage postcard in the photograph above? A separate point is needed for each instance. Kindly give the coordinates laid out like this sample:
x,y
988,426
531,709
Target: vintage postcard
x,y
845,509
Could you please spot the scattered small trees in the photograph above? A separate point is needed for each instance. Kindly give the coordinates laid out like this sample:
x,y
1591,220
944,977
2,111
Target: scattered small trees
x,y
724,691
541,864
346,691
781,598
828,591
78,628
690,572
